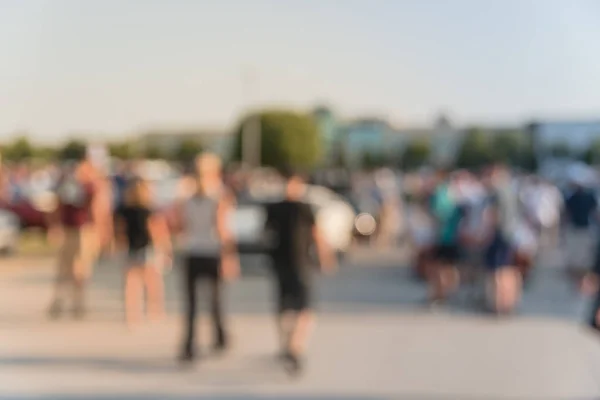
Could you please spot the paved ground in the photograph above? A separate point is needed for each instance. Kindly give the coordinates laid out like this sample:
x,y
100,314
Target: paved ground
x,y
374,342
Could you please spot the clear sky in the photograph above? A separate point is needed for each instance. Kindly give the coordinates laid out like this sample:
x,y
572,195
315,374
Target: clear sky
x,y
116,66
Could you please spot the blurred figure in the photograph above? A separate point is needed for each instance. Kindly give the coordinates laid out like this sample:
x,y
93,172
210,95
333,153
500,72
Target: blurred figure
x,y
144,236
443,275
72,228
210,251
580,240
293,226
501,222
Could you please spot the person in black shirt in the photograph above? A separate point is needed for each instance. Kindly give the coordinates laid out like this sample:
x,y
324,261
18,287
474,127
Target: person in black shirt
x,y
143,235
292,225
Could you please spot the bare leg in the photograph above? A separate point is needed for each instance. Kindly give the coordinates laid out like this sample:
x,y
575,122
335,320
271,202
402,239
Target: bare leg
x,y
300,332
133,295
285,325
155,293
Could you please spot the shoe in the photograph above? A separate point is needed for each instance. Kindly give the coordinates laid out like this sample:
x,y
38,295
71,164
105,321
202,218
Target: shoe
x,y
221,343
187,356
292,364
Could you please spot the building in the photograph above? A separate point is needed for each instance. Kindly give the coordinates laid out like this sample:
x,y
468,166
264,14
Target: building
x,y
573,138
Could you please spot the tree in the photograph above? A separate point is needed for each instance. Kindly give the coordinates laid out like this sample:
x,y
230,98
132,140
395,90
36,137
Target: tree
x,y
286,138
592,154
153,152
373,160
73,150
505,148
122,150
475,150
416,154
187,151
19,150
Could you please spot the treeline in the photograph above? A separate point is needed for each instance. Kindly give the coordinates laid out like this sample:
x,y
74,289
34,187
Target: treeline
x,y
22,149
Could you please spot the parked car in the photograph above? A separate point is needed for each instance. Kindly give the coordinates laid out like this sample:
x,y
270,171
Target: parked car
x,y
9,232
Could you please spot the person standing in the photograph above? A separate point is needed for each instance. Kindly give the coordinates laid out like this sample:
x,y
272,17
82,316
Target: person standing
x,y
72,228
501,221
292,224
447,213
210,251
581,207
144,235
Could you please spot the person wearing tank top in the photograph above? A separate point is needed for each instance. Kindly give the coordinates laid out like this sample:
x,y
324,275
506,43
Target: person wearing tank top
x,y
144,235
209,250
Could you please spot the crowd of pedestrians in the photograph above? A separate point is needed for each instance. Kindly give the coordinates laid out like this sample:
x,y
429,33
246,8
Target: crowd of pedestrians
x,y
97,216
487,231
483,230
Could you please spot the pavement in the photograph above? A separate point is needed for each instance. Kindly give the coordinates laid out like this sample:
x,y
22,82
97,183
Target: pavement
x,y
374,341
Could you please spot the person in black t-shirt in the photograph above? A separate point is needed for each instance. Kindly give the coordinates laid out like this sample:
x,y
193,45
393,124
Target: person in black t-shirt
x,y
292,225
144,236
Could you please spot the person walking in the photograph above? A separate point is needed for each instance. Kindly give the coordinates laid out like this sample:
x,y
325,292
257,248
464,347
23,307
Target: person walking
x,y
209,248
72,228
144,236
292,224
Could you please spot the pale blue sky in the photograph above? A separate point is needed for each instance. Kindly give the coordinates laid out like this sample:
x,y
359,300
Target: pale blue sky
x,y
116,66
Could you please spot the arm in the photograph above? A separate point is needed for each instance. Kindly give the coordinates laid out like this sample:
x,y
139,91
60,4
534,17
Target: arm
x,y
121,241
325,252
159,234
230,264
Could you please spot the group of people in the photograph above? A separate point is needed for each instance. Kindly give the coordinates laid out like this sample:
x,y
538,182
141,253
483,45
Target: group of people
x,y
88,223
488,229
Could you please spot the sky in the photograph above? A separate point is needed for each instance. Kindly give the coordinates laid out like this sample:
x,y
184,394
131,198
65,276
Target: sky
x,y
114,67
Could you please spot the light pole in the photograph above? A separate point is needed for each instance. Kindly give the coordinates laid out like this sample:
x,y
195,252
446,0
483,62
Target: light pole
x,y
251,130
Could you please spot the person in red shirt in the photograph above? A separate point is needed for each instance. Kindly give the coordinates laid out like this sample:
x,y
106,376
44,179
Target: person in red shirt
x,y
72,229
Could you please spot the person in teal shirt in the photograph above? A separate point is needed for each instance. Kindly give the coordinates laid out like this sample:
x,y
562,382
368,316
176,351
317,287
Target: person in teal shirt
x,y
448,213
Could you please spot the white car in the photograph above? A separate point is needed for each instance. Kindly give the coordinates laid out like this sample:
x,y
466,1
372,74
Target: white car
x,y
335,217
9,232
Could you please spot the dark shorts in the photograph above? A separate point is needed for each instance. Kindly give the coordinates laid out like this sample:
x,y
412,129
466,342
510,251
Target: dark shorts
x,y
447,253
204,266
293,288
499,254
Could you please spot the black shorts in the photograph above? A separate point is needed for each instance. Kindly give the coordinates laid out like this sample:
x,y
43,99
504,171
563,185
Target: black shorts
x,y
293,289
204,266
447,253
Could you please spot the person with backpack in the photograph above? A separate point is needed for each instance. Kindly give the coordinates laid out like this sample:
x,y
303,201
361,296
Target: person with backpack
x,y
144,235
72,228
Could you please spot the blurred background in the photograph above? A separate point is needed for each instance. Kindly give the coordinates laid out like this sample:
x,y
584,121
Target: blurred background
x,y
368,98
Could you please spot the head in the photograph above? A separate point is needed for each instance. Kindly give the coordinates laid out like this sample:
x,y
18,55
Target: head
x,y
208,169
138,193
295,183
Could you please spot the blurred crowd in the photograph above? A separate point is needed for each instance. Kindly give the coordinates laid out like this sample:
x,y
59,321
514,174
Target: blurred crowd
x,y
484,230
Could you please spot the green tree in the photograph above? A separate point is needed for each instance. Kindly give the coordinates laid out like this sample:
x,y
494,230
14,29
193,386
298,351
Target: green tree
x,y
187,151
475,150
592,154
416,154
122,150
505,148
18,150
73,150
286,138
373,160
153,152
45,153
